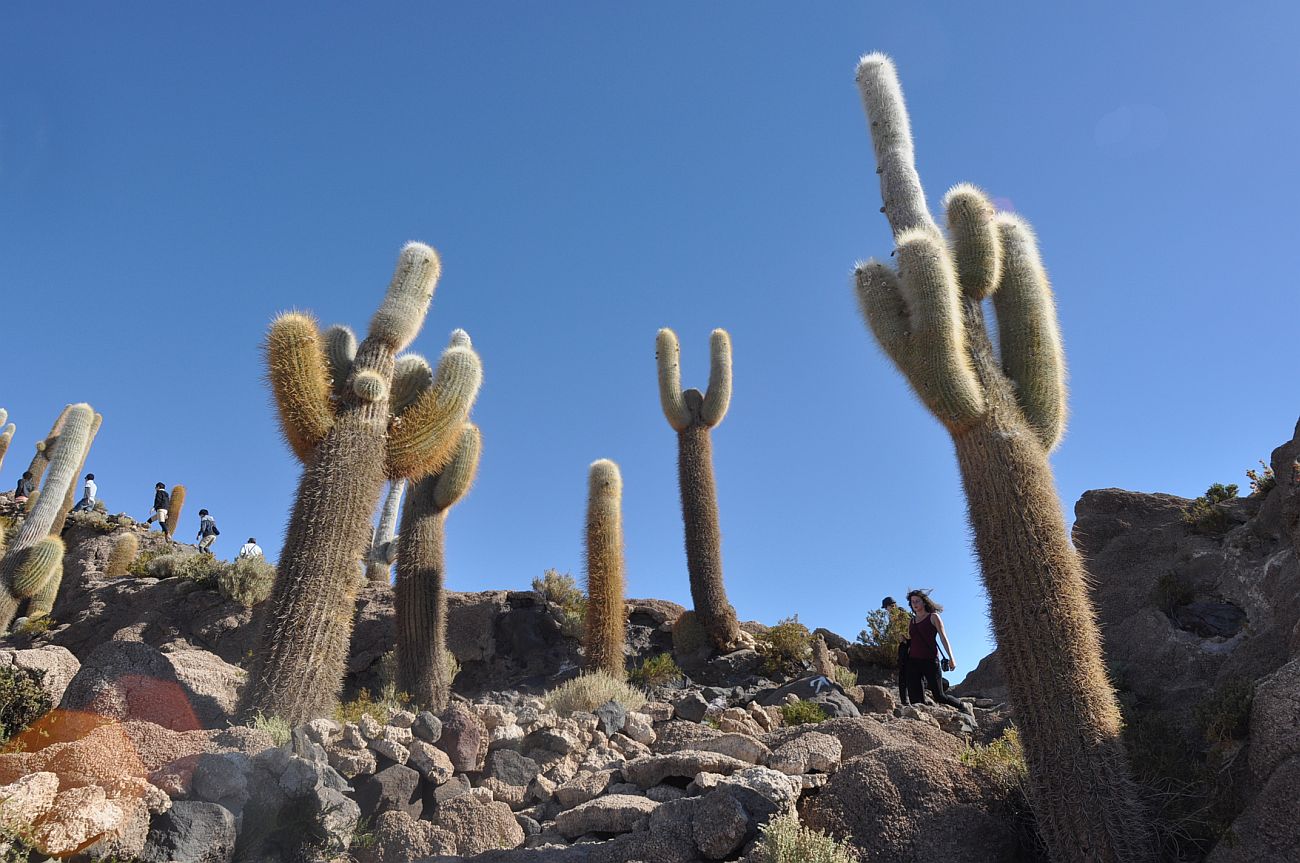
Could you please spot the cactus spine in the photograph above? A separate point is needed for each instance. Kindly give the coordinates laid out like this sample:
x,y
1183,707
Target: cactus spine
x,y
346,437
64,459
383,549
122,554
692,415
1005,413
70,496
606,621
177,499
423,661
6,434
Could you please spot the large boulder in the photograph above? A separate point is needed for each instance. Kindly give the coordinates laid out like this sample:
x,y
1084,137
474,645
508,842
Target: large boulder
x,y
54,665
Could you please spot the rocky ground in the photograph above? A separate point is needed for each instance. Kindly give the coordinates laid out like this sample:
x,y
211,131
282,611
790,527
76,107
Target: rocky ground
x,y
142,762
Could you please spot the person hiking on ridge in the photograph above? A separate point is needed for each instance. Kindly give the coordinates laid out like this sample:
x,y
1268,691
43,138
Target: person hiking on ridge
x,y
25,488
87,501
161,501
208,532
923,652
249,550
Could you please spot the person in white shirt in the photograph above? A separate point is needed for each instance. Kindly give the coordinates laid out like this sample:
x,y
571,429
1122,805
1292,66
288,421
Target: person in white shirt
x,y
249,549
87,501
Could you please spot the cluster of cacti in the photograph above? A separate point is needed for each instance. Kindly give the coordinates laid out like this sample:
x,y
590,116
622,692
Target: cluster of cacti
x,y
692,415
334,399
122,554
32,566
383,548
6,434
177,501
424,664
606,620
70,496
1005,412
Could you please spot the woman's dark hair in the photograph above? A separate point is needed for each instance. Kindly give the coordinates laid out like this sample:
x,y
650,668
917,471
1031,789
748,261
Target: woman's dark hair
x,y
160,485
27,474
203,512
930,605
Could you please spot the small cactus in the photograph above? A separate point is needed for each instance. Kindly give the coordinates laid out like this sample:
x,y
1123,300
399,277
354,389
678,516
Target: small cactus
x,y
177,500
605,627
692,415
120,557
423,661
65,459
336,415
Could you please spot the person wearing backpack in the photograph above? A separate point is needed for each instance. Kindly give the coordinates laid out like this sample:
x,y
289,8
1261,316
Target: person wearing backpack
x,y
208,532
161,501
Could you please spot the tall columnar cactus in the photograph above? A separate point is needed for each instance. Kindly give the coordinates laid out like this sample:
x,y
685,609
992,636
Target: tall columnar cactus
x,y
6,434
423,661
17,574
70,496
349,442
693,415
383,548
606,622
120,557
177,501
1005,411
44,448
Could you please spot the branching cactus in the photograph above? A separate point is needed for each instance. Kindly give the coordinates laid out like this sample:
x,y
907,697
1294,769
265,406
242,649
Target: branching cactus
x,y
1005,411
606,622
383,549
423,662
335,413
44,448
177,501
70,496
693,416
20,575
6,434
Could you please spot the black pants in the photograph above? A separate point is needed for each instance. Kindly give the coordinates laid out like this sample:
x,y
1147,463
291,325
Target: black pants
x,y
927,669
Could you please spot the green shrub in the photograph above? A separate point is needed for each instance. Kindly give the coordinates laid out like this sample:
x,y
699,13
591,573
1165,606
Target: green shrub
x,y
34,626
140,566
1203,514
656,671
381,708
1261,481
885,629
784,840
1225,715
202,569
846,677
559,589
1003,758
22,701
247,581
589,691
95,519
275,726
803,713
786,647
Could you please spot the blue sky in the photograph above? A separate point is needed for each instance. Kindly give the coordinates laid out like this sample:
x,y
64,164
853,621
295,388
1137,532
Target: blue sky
x,y
173,175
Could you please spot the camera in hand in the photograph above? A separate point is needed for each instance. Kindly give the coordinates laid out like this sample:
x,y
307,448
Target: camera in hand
x,y
945,664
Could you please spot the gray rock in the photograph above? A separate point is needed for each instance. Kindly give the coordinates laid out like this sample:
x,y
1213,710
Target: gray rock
x,y
612,715
336,816
56,667
691,706
464,738
432,762
807,753
615,813
222,779
719,824
762,791
300,778
583,787
654,769
352,763
452,788
396,788
191,831
427,727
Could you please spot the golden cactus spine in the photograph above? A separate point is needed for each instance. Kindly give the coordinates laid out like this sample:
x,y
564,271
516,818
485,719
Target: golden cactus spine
x,y
423,661
177,501
349,442
1005,411
693,415
120,557
605,629
70,497
65,459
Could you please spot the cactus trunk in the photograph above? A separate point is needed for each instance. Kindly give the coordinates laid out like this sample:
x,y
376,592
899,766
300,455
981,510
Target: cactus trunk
x,y
704,536
423,666
177,500
70,496
45,448
605,631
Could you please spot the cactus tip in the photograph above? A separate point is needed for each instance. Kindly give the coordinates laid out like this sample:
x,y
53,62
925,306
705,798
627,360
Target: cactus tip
x,y
460,339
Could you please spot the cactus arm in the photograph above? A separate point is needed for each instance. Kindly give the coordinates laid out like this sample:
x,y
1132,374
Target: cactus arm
x,y
340,350
402,313
422,439
891,136
70,496
6,437
1029,336
606,614
45,448
122,554
4,416
668,359
37,565
718,396
411,377
976,246
300,383
454,481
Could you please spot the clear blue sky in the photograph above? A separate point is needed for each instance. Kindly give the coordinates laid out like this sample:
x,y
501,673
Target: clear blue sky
x,y
172,175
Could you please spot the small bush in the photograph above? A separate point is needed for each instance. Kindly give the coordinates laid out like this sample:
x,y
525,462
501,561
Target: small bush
x,y
247,581
34,626
885,629
1261,481
803,713
559,589
591,690
1203,514
1003,758
656,671
846,677
22,701
784,840
381,708
1225,714
200,568
277,727
689,638
786,646
100,506
94,519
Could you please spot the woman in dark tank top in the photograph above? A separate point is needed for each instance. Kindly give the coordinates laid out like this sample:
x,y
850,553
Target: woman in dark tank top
x,y
923,654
